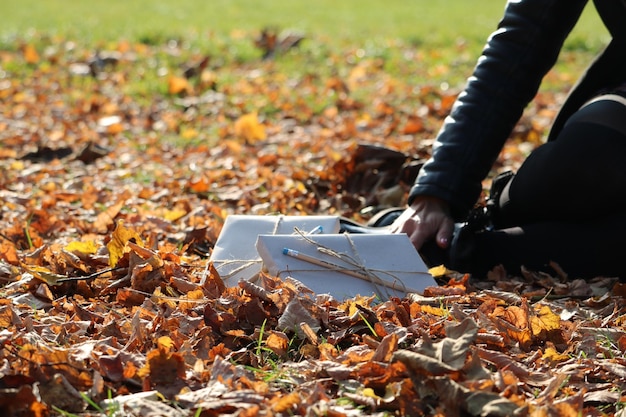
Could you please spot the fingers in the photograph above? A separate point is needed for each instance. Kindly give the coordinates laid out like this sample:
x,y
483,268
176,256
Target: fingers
x,y
406,222
444,234
426,219
417,230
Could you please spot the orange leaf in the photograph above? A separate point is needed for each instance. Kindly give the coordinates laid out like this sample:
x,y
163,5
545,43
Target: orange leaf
x,y
31,56
517,316
199,185
248,128
286,402
278,342
435,311
8,252
178,85
414,124
106,217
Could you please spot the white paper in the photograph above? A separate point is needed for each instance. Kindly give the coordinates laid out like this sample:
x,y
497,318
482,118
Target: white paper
x,y
235,256
389,257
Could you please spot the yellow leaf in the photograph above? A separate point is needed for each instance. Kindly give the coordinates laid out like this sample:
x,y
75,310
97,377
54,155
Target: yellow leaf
x,y
350,306
175,214
43,274
553,355
369,392
189,133
435,311
88,247
545,320
357,76
438,271
17,165
248,128
165,343
120,237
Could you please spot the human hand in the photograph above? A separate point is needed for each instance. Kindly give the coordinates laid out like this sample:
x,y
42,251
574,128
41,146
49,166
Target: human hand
x,y
426,218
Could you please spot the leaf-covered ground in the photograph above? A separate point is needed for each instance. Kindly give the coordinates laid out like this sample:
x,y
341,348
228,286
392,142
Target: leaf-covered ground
x,y
118,168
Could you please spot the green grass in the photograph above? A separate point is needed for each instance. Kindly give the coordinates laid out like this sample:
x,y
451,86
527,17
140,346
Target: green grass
x,y
448,34
420,41
431,22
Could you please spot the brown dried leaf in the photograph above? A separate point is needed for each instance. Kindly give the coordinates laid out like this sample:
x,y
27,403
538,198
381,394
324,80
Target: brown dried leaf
x,y
386,348
294,315
213,286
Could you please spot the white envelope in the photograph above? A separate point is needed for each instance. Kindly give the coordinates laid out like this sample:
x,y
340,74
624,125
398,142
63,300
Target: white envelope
x,y
349,264
234,255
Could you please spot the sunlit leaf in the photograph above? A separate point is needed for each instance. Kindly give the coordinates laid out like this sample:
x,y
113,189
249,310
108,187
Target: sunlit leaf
x,y
175,214
552,355
88,247
278,342
43,273
545,321
121,235
165,342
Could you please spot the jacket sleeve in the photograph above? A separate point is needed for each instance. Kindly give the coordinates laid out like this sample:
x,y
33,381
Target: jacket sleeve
x,y
507,76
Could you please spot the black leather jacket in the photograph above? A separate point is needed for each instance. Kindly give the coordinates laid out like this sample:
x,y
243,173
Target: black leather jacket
x,y
516,57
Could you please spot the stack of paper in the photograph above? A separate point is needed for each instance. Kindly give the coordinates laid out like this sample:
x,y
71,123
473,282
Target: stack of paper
x,y
235,256
341,264
346,265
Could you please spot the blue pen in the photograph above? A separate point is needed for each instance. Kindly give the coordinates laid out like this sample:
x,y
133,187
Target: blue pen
x,y
316,230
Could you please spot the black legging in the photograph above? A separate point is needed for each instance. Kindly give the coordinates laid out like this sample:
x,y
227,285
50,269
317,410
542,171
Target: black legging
x,y
567,202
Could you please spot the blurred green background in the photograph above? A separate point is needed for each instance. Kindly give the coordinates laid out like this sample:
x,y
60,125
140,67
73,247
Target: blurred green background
x,y
432,22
